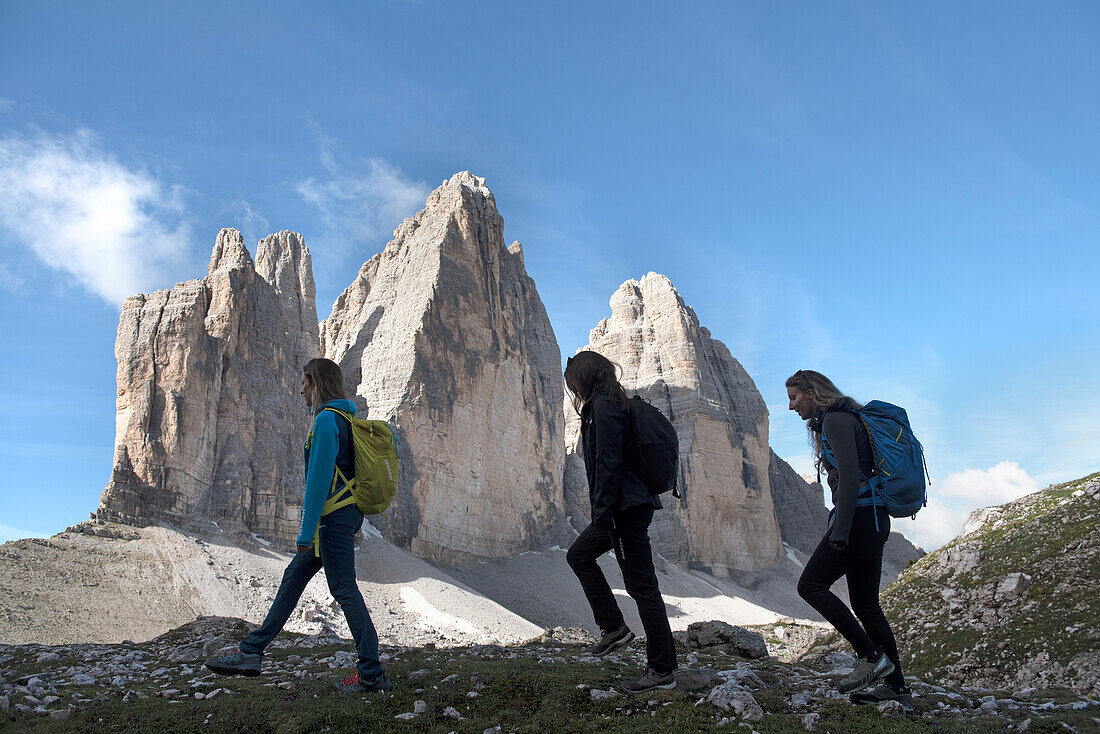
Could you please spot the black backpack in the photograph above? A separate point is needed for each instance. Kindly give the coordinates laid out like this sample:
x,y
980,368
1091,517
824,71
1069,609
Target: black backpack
x,y
656,447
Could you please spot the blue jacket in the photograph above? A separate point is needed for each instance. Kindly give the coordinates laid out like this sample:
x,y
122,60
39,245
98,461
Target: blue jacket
x,y
329,445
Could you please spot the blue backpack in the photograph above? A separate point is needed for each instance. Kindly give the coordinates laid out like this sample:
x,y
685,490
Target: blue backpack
x,y
898,480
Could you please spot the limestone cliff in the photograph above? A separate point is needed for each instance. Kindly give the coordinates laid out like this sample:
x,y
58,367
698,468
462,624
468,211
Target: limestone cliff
x,y
799,506
444,333
726,522
209,421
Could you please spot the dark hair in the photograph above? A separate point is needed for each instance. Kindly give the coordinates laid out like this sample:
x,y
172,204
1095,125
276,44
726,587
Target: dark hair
x,y
825,396
588,373
327,380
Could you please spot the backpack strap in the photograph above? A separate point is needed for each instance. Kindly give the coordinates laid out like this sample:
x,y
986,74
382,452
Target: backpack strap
x,y
336,499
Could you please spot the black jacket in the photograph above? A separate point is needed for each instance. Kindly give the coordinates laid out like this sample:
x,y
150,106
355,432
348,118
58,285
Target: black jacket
x,y
612,484
852,448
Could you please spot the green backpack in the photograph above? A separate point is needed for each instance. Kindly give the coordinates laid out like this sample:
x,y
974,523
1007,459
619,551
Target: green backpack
x,y
376,464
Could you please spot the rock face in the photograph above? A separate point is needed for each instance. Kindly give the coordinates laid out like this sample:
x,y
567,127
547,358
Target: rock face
x,y
799,506
444,334
209,422
726,522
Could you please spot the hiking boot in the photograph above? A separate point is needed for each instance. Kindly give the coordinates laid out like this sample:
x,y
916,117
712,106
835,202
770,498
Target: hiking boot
x,y
235,663
867,672
650,680
885,692
378,684
611,641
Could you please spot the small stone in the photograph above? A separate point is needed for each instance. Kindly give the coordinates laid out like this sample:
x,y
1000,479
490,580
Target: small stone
x,y
407,716
492,730
215,692
422,673
199,695
692,679
452,713
811,721
420,707
472,694
732,697
285,685
60,714
599,695
891,709
449,678
82,679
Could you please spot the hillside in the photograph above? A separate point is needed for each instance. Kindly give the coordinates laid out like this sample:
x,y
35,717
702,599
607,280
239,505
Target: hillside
x,y
1012,602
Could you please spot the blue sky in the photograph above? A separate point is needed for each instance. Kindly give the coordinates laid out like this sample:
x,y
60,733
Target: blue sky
x,y
902,196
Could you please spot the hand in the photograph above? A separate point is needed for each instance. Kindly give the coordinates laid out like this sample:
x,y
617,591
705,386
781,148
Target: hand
x,y
838,546
305,548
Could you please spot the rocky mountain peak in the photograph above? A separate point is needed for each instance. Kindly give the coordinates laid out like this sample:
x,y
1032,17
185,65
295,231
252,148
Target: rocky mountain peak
x,y
209,419
229,252
726,521
444,333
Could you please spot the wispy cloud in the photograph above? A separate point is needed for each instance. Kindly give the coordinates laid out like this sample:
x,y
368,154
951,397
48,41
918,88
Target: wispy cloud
x,y
9,533
252,222
115,229
360,201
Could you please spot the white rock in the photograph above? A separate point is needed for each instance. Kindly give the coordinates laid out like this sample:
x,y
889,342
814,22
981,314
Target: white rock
x,y
407,716
732,697
452,713
420,707
599,695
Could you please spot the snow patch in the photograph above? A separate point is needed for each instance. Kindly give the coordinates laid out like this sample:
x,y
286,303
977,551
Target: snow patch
x,y
260,540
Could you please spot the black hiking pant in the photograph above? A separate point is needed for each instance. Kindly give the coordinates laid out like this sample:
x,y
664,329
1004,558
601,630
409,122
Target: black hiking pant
x,y
861,563
630,541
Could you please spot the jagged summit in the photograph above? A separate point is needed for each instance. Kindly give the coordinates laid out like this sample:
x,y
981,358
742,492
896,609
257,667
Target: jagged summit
x,y
726,521
209,420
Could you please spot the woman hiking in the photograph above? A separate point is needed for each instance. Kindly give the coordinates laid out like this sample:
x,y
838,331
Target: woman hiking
x,y
324,540
622,509
853,542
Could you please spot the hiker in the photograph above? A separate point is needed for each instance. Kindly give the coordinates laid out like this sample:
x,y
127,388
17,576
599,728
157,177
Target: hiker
x,y
324,541
853,542
622,509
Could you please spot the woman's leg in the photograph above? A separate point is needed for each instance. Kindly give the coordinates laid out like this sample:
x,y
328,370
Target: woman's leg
x,y
300,570
863,590
338,531
825,566
581,557
635,557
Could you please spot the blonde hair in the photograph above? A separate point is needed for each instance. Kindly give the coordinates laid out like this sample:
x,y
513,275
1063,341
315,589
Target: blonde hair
x,y
327,380
824,396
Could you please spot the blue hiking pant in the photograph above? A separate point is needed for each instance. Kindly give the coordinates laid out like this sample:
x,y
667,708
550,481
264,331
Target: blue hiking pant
x,y
338,531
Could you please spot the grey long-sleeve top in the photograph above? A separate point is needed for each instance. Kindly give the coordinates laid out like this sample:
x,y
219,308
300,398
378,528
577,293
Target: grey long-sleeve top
x,y
852,449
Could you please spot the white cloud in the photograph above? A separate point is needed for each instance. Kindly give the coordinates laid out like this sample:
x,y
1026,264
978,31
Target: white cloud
x,y
116,230
365,203
9,533
953,499
934,526
996,485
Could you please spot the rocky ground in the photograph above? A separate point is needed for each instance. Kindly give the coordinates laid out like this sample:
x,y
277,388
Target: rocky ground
x,y
546,684
1012,602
